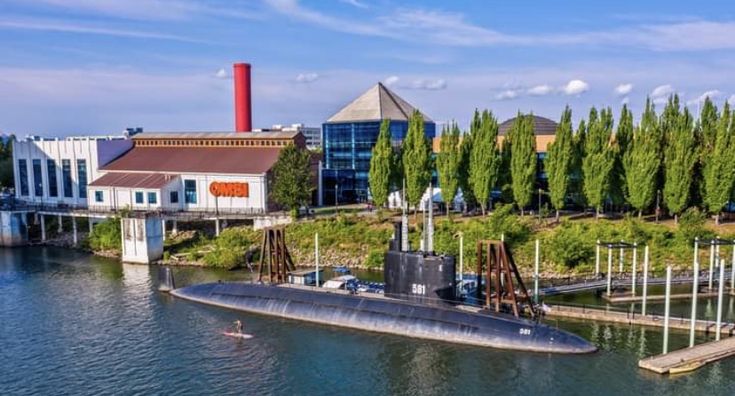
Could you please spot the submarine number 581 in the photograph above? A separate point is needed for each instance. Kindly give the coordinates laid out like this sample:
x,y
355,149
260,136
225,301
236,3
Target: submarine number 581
x,y
417,288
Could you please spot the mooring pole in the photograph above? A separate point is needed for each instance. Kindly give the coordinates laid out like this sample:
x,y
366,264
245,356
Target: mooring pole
x,y
609,270
711,265
461,260
597,258
316,257
695,289
622,253
535,271
667,307
732,278
645,281
635,264
720,290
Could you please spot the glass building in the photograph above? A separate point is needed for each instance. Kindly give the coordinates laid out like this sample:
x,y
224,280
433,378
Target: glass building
x,y
348,138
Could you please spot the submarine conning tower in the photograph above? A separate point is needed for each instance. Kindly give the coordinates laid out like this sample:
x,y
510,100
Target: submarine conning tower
x,y
418,276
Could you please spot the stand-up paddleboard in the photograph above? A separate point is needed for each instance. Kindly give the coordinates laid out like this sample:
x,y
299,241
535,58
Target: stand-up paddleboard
x,y
238,335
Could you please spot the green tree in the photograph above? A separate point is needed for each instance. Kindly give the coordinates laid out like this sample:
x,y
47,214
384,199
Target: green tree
x,y
381,164
6,161
416,156
484,158
598,159
522,159
680,156
448,162
559,161
705,131
576,182
291,186
623,137
719,168
642,161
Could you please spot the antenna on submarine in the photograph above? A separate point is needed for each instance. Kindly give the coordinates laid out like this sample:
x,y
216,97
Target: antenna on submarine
x,y
429,229
404,220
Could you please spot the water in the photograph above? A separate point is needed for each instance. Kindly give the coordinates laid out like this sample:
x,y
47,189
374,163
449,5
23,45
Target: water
x,y
75,324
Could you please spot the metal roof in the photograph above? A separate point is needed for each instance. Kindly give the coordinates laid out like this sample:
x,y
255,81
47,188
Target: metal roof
x,y
217,135
134,180
220,160
541,126
377,103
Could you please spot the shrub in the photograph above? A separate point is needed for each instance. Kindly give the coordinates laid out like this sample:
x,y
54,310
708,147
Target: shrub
x,y
106,236
230,247
571,245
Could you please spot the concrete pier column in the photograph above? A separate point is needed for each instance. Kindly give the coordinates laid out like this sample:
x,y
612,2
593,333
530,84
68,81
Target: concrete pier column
x,y
142,239
174,227
60,229
74,230
90,222
216,226
163,229
13,228
43,228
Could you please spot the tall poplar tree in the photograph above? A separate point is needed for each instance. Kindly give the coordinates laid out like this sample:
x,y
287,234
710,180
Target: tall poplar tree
x,y
642,162
448,162
381,164
719,168
680,157
416,156
523,160
704,132
623,137
292,178
560,160
598,159
463,175
576,181
484,158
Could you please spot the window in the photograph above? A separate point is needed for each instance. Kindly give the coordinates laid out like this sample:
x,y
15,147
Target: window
x,y
152,198
37,178
66,178
174,197
82,174
190,191
99,196
23,174
139,197
53,186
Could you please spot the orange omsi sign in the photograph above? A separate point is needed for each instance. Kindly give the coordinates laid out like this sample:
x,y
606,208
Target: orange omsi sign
x,y
228,189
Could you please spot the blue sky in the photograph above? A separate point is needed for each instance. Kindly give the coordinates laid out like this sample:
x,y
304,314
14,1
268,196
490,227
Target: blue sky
x,y
98,66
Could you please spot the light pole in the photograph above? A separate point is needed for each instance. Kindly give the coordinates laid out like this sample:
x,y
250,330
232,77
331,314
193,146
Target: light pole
x,y
336,202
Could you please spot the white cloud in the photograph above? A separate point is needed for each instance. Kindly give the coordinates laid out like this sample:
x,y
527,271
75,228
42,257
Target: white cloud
x,y
428,84
712,94
540,90
623,89
307,77
508,94
575,87
355,3
731,100
55,26
662,91
625,101
391,80
222,73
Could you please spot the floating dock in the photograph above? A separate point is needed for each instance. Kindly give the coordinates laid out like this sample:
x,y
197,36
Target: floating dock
x,y
689,359
632,318
625,298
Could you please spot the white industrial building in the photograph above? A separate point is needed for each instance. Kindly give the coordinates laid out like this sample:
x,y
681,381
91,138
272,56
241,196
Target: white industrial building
x,y
312,135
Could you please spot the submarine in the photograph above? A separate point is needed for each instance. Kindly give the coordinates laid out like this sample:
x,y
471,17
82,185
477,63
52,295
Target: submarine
x,y
420,300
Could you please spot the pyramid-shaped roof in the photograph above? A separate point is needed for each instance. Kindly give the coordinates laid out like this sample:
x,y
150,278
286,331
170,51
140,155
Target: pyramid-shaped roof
x,y
377,103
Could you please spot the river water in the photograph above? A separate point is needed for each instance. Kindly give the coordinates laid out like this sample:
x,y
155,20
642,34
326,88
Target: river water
x,y
71,323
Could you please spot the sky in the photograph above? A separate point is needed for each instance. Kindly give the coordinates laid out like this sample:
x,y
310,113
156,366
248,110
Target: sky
x,y
78,67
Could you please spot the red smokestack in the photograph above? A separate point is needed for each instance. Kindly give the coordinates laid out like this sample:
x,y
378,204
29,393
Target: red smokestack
x,y
243,116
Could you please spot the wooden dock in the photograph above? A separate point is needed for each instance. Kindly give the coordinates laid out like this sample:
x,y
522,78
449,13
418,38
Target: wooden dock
x,y
624,298
688,359
633,318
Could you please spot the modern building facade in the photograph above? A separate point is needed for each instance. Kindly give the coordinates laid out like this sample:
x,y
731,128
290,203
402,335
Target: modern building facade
x,y
57,171
349,137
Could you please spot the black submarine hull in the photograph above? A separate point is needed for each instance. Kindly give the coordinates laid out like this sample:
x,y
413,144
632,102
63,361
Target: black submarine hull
x,y
387,315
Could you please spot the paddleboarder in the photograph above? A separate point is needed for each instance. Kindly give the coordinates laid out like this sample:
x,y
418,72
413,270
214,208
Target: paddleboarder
x,y
238,327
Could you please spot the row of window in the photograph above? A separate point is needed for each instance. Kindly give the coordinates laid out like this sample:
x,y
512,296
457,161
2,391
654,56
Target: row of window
x,y
218,142
53,185
190,195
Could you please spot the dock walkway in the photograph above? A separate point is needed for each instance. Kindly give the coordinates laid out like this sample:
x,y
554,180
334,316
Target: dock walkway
x,y
633,318
694,357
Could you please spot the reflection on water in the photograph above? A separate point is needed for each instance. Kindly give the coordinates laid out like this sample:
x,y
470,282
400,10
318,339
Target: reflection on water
x,y
75,324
